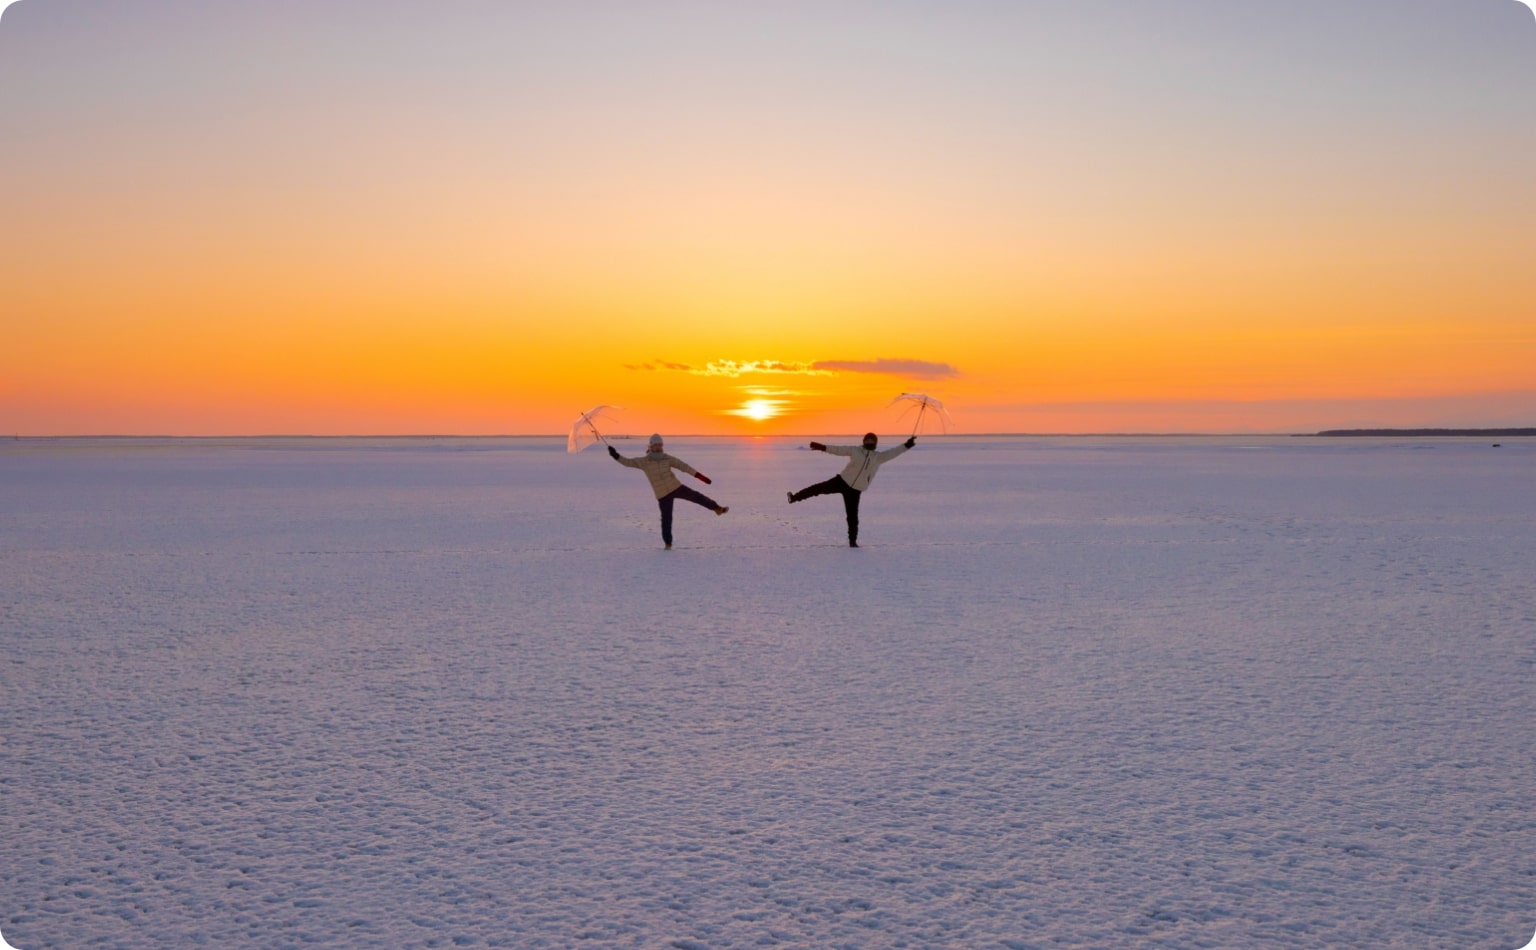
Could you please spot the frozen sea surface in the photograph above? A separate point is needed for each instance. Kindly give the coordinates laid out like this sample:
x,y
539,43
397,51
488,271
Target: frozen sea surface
x,y
1072,693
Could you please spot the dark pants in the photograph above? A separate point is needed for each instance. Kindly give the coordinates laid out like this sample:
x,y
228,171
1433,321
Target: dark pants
x,y
686,494
836,486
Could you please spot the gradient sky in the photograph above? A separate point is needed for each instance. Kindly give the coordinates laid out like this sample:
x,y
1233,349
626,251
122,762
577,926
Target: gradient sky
x,y
485,216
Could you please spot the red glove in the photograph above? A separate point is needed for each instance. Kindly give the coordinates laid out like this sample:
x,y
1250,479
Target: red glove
x,y
701,477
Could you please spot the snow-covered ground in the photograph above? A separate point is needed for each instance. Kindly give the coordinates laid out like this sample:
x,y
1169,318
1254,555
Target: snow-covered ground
x,y
1225,692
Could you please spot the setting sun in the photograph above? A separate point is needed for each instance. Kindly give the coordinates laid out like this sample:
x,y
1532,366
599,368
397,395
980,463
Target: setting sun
x,y
758,410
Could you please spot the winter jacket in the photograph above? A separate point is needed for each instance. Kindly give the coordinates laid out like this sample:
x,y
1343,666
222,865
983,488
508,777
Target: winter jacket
x,y
658,468
862,463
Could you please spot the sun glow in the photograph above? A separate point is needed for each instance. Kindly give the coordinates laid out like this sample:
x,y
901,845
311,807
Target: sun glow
x,y
758,410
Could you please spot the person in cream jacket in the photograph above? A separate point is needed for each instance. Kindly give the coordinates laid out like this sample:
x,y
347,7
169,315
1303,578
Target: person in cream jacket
x,y
657,466
863,462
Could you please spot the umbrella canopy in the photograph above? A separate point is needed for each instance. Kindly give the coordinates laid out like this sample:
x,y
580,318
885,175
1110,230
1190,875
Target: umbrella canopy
x,y
923,405
584,431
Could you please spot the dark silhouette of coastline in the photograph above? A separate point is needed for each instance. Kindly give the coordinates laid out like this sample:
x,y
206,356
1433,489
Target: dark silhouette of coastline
x,y
1431,433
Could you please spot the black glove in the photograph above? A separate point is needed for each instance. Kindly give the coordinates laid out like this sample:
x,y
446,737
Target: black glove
x,y
613,453
911,441
818,446
701,477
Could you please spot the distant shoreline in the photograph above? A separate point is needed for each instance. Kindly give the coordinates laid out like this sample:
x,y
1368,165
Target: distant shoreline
x,y
627,437
1430,433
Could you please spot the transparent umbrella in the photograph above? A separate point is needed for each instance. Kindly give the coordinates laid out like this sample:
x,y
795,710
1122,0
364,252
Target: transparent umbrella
x,y
584,431
924,406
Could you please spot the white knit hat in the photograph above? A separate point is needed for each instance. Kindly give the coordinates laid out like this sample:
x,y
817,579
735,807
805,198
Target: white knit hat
x,y
655,439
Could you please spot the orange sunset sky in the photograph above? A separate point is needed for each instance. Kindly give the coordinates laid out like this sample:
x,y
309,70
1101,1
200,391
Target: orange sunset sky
x,y
475,217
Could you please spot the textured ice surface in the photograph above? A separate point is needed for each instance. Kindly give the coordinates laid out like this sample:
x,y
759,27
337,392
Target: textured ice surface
x,y
1071,693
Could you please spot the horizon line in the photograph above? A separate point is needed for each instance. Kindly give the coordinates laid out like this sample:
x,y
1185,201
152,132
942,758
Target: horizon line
x,y
1366,430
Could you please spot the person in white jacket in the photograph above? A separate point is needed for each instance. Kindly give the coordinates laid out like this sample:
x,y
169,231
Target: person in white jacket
x,y
657,466
863,462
